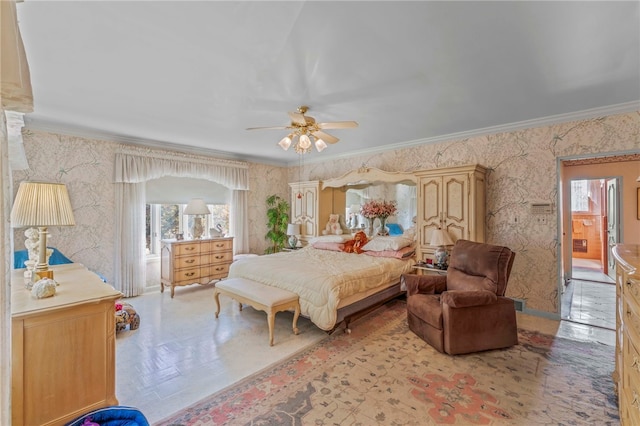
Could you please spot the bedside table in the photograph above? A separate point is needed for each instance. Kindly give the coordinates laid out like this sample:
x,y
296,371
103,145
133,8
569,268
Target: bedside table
x,y
429,270
291,249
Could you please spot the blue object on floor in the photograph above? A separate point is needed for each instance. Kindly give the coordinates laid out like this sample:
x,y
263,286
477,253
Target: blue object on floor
x,y
118,415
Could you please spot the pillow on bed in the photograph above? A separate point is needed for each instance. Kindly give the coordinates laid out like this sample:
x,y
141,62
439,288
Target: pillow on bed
x,y
403,253
320,245
330,239
387,243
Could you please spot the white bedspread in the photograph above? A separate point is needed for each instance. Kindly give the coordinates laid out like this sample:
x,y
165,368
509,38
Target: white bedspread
x,y
321,277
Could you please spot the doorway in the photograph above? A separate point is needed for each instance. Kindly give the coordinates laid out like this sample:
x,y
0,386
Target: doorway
x,y
589,292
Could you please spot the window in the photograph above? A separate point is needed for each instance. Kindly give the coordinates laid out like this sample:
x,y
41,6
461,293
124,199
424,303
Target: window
x,y
580,196
165,221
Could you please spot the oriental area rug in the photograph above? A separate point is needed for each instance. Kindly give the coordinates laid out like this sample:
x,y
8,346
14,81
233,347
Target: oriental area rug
x,y
383,374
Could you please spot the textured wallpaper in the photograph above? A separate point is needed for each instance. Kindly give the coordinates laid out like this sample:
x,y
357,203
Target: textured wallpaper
x,y
522,169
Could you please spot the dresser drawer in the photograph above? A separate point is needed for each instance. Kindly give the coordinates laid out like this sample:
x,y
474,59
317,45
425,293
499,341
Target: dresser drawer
x,y
221,257
630,408
186,275
221,245
188,262
187,248
217,271
631,289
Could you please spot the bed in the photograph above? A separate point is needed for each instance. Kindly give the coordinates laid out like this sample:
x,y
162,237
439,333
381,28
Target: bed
x,y
333,286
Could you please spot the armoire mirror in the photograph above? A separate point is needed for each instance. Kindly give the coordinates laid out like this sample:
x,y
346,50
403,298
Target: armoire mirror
x,y
368,183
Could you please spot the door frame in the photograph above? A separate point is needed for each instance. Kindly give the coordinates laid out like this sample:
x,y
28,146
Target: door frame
x,y
563,213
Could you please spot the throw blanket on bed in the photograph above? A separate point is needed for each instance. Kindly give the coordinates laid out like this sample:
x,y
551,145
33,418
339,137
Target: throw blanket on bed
x,y
321,278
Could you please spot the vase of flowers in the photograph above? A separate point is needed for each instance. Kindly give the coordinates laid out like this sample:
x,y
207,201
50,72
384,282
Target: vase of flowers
x,y
378,209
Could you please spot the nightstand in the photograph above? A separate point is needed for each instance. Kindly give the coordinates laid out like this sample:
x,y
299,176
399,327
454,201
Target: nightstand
x,y
429,270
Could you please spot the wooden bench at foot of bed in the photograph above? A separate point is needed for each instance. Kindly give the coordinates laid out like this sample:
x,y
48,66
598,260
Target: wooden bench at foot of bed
x,y
262,297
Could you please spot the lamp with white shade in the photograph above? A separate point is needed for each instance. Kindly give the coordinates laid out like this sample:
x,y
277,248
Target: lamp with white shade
x,y
293,229
440,239
197,208
42,204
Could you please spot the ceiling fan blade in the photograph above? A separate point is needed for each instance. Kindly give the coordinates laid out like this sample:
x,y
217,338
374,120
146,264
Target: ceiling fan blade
x,y
297,118
325,136
338,125
268,128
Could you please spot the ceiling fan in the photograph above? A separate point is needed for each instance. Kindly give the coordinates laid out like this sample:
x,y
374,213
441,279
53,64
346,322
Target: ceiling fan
x,y
305,128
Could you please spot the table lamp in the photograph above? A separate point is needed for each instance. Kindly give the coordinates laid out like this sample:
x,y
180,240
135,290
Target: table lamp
x,y
293,229
197,208
42,204
440,239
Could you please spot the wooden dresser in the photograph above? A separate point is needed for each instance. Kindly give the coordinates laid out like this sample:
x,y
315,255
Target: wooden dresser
x,y
626,376
62,348
194,261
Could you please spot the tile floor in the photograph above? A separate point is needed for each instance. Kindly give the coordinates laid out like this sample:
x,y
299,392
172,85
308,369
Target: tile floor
x,y
590,297
181,353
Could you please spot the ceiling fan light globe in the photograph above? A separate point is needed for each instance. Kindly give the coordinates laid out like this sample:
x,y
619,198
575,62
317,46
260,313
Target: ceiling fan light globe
x,y
305,142
320,145
285,143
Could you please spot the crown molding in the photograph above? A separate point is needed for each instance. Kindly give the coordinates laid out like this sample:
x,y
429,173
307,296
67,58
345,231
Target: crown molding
x,y
88,133
623,108
84,132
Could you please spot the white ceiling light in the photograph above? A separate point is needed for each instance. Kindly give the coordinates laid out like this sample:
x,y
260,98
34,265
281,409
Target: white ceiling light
x,y
320,145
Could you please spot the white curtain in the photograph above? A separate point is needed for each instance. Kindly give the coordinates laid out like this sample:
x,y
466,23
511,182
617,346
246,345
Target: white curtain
x,y
134,167
238,221
130,275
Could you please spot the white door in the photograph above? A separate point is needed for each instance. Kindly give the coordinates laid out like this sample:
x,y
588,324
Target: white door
x,y
613,224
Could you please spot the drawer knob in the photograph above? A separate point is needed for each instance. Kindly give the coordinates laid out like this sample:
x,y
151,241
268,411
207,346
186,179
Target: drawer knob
x,y
219,257
636,363
189,248
189,274
189,261
219,269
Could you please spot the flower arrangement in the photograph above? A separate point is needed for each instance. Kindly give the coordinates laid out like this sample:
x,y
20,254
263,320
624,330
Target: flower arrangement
x,y
381,209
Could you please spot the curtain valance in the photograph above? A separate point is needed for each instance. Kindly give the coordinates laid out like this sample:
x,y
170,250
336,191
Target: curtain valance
x,y
134,168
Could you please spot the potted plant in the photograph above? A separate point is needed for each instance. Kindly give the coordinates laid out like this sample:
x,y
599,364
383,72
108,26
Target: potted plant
x,y
277,221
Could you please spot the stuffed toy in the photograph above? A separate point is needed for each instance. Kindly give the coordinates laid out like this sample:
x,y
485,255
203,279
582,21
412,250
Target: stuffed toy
x,y
126,315
355,245
333,226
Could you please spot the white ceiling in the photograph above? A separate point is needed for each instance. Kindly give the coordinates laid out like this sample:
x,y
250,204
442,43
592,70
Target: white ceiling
x,y
194,75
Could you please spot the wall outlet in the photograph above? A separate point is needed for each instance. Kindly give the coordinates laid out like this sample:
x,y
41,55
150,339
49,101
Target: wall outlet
x,y
542,220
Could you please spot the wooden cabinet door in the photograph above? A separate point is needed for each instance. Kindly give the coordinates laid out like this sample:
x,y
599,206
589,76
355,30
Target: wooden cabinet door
x,y
455,201
429,208
304,210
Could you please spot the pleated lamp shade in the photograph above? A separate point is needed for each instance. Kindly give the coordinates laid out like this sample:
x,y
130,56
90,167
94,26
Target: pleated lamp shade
x,y
41,204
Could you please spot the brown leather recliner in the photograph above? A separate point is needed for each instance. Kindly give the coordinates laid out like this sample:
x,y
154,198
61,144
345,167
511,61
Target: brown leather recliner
x,y
465,311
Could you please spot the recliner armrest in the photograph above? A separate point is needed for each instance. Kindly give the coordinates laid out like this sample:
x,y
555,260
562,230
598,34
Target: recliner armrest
x,y
465,299
423,284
